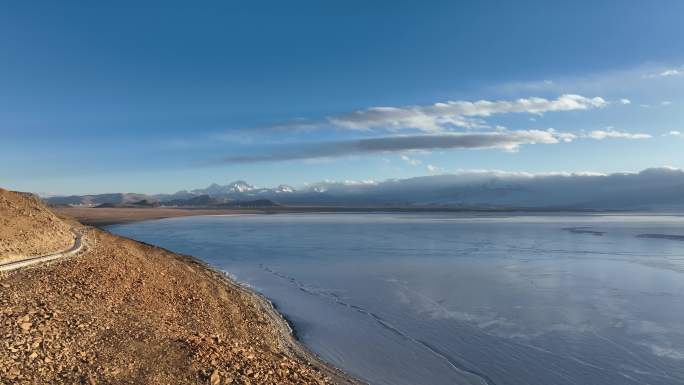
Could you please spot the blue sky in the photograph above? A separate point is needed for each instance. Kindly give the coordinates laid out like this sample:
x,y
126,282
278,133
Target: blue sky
x,y
167,95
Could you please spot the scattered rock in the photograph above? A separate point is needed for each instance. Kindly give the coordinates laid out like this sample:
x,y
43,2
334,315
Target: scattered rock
x,y
215,378
107,316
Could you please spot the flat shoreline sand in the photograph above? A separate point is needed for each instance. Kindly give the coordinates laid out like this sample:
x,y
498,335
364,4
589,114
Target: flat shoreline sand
x,y
100,217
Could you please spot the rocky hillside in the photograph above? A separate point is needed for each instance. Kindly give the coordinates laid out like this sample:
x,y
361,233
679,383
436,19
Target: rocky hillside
x,y
28,228
122,312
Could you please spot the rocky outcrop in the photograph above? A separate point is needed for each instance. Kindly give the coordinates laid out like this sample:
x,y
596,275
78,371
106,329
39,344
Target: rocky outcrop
x,y
28,228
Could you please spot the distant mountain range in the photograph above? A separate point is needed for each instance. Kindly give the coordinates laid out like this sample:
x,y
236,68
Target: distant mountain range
x,y
96,200
655,188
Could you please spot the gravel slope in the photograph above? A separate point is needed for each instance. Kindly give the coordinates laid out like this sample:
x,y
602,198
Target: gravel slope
x,y
123,312
28,228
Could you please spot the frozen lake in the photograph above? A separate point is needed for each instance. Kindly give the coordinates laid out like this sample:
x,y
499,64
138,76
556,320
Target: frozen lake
x,y
455,299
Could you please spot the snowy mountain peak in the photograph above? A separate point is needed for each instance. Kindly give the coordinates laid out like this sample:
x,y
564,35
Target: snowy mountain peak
x,y
239,186
283,188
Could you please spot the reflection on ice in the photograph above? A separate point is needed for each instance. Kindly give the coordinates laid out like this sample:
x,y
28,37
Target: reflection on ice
x,y
448,299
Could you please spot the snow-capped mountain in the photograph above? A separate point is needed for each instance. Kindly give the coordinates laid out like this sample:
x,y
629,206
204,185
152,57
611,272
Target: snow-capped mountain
x,y
237,187
655,188
283,188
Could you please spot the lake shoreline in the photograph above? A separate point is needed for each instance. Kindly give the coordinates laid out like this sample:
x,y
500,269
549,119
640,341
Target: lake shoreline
x,y
104,216
285,328
121,310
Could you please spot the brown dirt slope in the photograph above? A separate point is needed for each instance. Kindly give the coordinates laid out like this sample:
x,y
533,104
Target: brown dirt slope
x,y
28,228
123,312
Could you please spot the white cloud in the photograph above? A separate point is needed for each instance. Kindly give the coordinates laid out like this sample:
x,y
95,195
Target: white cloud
x,y
625,101
563,136
411,161
666,73
674,133
441,116
665,103
655,187
613,134
501,139
432,169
